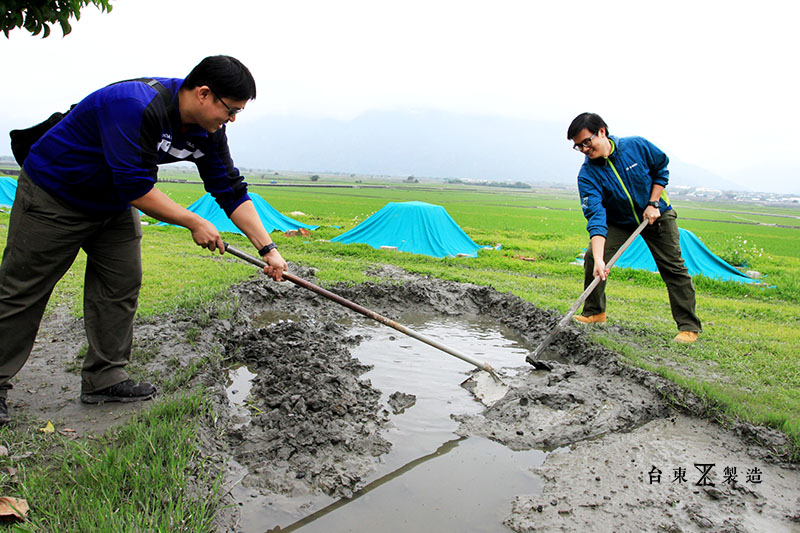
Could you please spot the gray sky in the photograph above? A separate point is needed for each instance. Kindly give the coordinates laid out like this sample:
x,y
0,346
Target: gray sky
x,y
712,82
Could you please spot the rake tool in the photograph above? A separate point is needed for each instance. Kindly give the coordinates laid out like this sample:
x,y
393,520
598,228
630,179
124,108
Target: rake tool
x,y
533,358
367,313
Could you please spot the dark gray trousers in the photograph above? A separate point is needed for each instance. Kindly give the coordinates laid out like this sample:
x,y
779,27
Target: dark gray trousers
x,y
44,237
663,240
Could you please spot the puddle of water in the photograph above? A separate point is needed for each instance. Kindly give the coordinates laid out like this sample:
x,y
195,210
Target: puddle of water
x,y
432,480
240,381
401,363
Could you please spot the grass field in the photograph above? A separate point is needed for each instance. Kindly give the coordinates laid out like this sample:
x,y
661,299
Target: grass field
x,y
746,364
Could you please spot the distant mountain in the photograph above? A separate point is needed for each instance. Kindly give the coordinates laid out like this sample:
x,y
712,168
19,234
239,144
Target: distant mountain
x,y
681,173
771,178
427,143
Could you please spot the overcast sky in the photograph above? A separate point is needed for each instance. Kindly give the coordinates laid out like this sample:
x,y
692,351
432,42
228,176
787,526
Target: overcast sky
x,y
712,82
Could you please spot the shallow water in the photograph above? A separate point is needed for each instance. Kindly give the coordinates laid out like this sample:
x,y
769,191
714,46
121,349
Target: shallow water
x,y
432,480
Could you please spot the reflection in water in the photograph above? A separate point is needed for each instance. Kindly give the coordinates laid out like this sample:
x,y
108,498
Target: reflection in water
x,y
443,449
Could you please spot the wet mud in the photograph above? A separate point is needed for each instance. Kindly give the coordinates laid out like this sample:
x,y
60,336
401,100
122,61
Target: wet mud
x,y
307,429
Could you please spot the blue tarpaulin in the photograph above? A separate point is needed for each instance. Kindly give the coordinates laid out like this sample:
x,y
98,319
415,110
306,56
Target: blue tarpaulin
x,y
272,219
8,189
696,256
416,227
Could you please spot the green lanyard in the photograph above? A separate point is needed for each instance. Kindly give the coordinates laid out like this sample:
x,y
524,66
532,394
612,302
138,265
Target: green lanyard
x,y
633,208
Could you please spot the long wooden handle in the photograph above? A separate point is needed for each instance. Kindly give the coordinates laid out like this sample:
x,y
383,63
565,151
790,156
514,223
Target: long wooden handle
x,y
582,298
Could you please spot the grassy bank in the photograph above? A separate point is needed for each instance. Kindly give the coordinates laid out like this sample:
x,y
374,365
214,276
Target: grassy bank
x,y
147,475
746,364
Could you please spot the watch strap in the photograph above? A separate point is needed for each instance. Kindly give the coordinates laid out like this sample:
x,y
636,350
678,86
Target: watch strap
x,y
267,249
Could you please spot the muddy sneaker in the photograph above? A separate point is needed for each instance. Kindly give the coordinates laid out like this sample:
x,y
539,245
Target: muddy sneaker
x,y
127,391
4,418
599,318
686,337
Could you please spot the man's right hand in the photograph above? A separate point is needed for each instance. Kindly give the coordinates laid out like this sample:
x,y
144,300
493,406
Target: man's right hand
x,y
600,269
206,235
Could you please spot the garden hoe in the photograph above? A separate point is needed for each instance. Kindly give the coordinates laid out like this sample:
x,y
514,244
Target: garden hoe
x,y
499,386
533,358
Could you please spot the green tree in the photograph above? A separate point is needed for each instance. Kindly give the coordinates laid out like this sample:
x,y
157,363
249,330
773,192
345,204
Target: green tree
x,y
36,15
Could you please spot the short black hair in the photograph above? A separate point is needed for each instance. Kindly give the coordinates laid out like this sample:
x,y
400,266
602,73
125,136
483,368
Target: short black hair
x,y
590,121
225,75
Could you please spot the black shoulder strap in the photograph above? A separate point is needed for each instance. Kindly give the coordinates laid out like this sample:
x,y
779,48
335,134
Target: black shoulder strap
x,y
166,94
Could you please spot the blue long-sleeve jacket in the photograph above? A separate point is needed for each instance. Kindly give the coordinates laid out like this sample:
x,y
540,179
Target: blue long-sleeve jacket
x,y
620,197
105,152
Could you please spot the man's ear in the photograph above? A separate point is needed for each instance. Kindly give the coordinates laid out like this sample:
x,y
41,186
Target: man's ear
x,y
202,92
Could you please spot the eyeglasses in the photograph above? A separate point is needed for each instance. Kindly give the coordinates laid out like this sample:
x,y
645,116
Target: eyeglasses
x,y
586,143
231,111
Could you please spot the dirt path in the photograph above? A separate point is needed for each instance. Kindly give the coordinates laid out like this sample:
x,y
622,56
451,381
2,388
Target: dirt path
x,y
621,457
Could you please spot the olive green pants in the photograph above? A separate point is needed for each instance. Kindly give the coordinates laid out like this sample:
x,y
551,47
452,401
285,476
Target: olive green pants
x,y
663,240
44,237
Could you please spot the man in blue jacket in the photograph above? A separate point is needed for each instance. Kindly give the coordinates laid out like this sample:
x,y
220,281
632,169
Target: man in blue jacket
x,y
82,186
621,183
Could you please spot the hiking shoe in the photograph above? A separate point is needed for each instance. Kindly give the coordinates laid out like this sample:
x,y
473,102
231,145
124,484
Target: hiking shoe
x,y
4,418
127,391
686,337
599,318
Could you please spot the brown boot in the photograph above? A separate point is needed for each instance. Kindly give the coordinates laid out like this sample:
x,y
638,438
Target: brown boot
x,y
686,337
599,318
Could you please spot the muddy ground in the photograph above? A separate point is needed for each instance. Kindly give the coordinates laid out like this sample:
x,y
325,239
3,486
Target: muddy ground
x,y
626,447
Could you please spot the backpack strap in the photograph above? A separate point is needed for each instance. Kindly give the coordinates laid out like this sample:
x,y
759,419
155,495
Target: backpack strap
x,y
166,94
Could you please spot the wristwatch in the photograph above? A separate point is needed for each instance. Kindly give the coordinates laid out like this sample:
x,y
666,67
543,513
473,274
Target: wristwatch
x,y
654,203
267,249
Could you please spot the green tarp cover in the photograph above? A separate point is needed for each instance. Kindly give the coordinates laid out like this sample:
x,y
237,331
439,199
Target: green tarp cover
x,y
8,189
696,256
272,219
415,227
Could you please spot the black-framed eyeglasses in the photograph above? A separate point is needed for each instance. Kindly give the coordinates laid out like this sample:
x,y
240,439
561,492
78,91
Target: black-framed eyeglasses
x,y
231,111
586,143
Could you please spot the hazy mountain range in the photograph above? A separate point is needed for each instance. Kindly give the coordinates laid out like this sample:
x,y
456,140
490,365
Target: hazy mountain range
x,y
427,143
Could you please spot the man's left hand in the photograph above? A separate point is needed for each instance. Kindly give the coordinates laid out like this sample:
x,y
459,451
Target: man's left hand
x,y
276,265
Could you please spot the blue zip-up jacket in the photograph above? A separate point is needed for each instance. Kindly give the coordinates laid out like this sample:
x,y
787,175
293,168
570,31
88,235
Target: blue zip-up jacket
x,y
604,200
105,152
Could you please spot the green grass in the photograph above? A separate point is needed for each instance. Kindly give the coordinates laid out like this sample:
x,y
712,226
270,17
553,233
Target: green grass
x,y
146,476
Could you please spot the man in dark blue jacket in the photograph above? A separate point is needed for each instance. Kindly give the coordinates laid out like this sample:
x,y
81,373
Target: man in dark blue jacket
x,y
621,183
82,187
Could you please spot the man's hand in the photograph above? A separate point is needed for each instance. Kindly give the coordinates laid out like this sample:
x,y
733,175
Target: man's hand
x,y
600,269
651,214
598,245
276,266
205,235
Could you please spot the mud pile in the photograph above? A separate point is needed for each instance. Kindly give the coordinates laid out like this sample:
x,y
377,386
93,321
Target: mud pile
x,y
314,419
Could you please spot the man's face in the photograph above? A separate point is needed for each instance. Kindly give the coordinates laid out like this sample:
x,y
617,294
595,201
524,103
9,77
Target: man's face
x,y
589,143
218,111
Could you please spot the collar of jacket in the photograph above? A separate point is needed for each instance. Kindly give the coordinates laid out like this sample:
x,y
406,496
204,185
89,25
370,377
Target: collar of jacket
x,y
603,161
